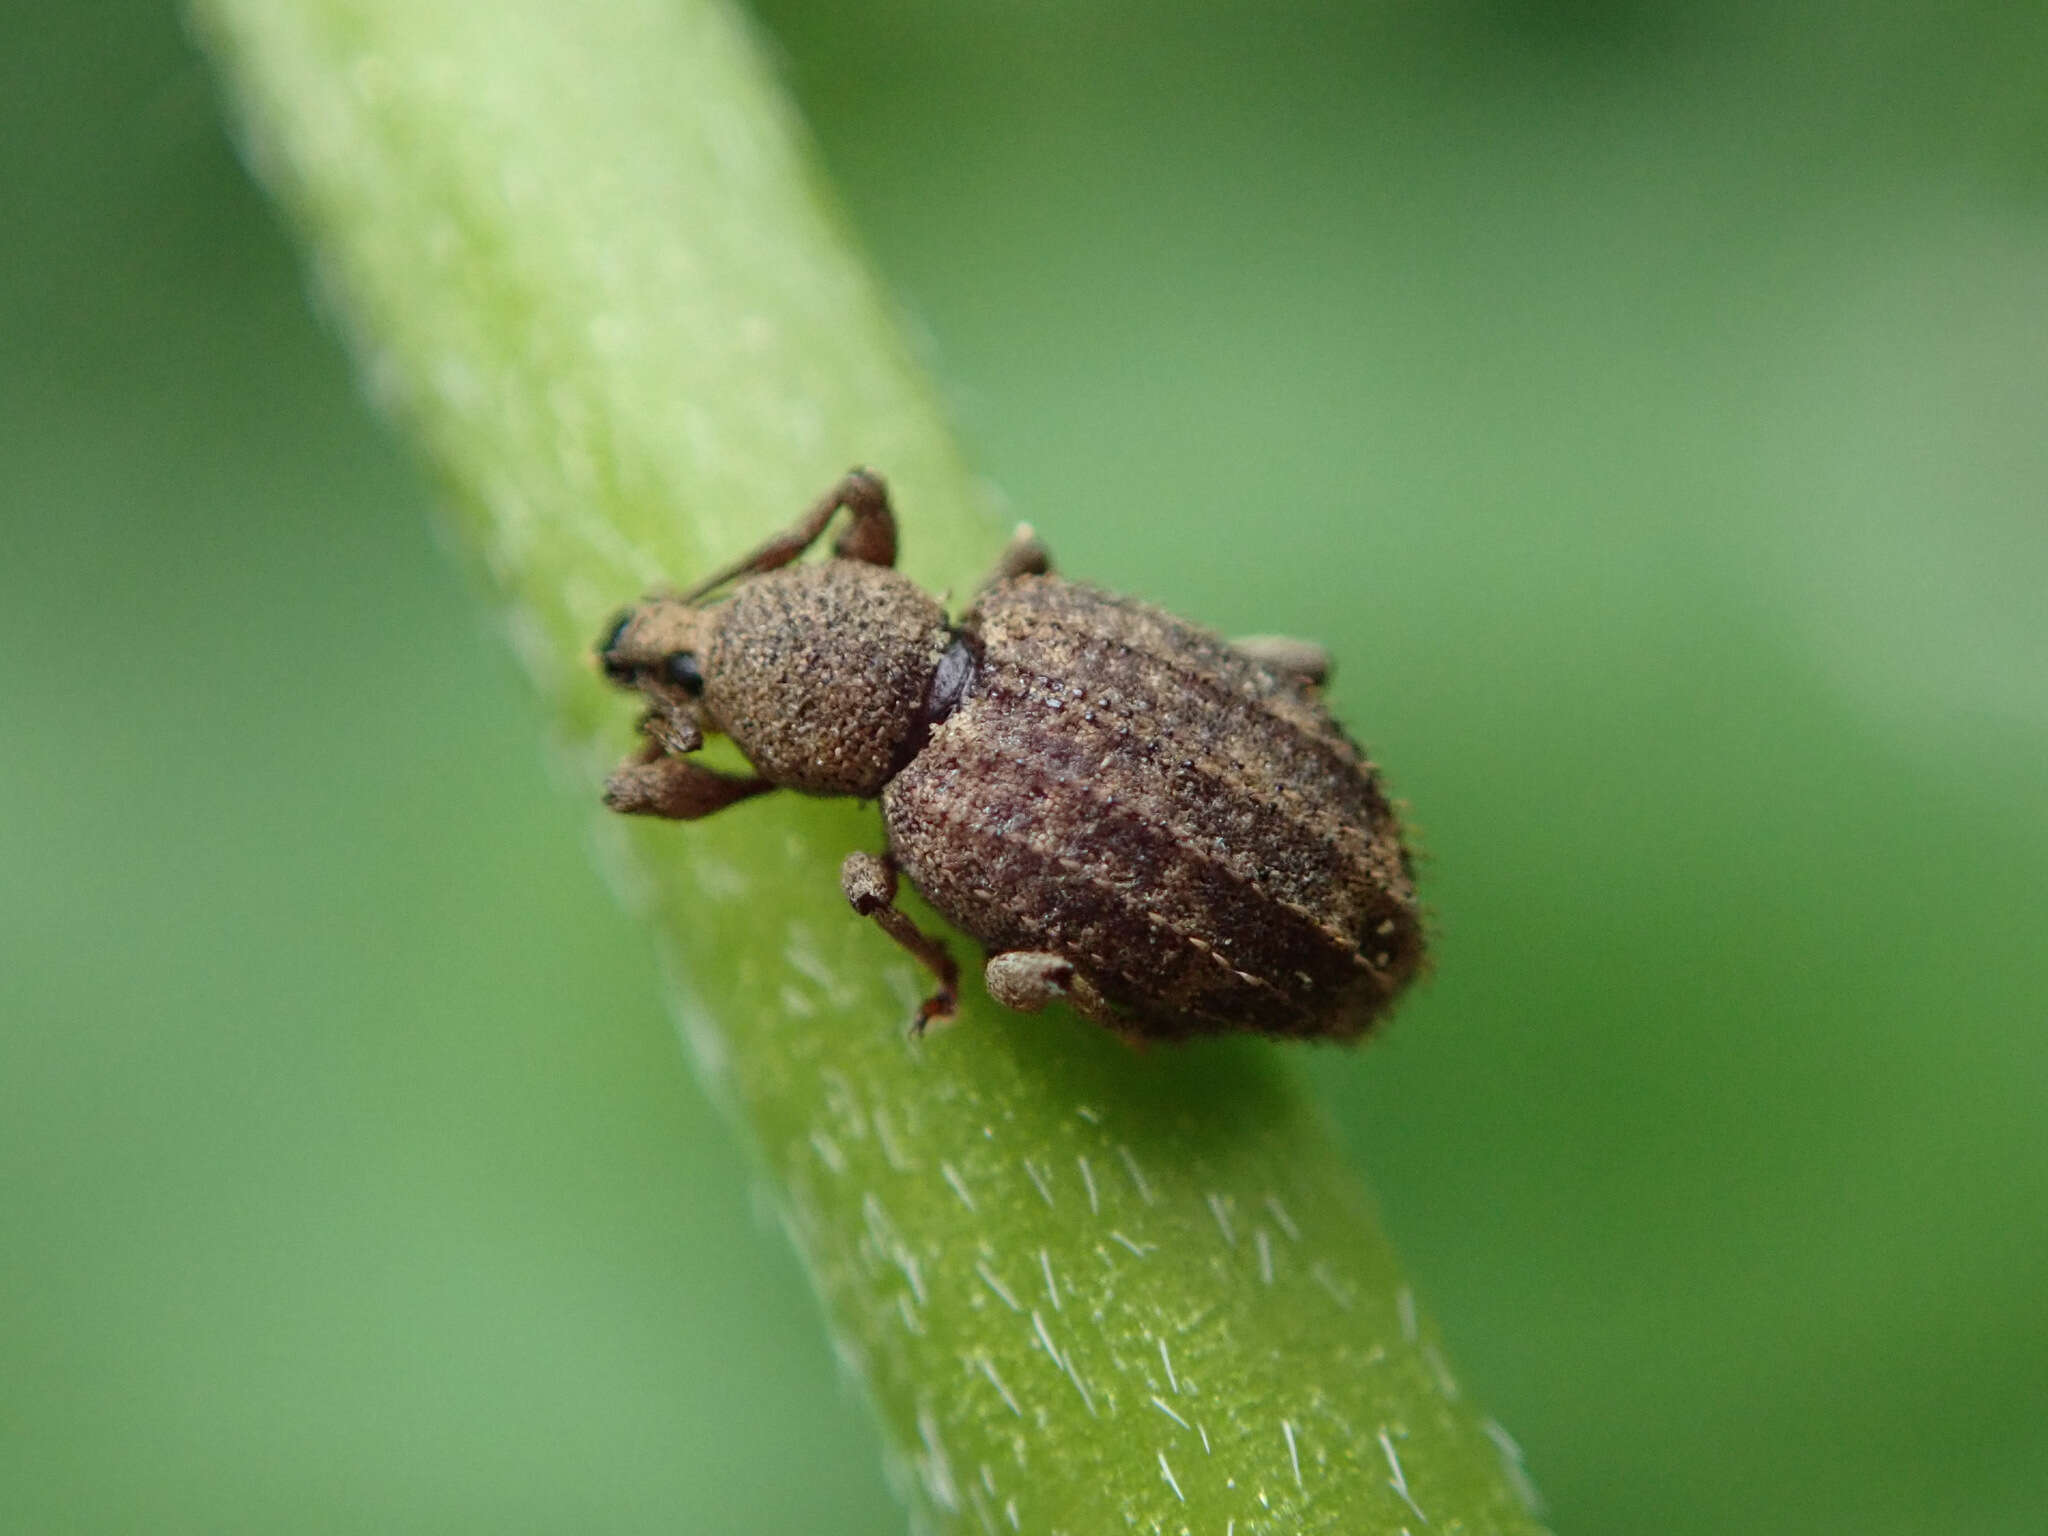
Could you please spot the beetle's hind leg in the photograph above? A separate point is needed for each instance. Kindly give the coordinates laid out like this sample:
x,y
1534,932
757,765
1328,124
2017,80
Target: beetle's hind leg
x,y
1303,660
870,886
870,534
1027,979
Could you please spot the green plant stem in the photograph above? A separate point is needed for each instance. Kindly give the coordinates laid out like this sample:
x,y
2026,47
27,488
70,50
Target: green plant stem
x,y
581,252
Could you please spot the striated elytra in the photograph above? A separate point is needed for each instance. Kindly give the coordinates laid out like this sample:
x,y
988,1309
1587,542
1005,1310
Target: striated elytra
x,y
1162,828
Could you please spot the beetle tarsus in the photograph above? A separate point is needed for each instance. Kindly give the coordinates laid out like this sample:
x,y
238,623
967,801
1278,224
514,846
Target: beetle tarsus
x,y
870,886
942,1007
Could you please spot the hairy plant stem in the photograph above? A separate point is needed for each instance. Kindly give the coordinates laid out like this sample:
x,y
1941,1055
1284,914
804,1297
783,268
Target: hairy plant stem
x,y
580,251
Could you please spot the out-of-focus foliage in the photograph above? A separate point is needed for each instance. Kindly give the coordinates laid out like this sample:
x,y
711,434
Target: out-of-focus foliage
x,y
1646,404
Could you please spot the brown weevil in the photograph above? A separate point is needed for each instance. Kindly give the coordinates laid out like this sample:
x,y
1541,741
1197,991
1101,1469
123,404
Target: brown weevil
x,y
1162,828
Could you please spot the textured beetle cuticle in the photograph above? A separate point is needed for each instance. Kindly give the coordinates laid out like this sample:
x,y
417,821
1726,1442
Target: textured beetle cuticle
x,y
1198,850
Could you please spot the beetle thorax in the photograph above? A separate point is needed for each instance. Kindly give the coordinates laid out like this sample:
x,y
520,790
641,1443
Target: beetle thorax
x,y
819,674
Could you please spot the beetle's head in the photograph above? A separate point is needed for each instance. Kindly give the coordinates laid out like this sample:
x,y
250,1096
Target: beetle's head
x,y
818,673
658,648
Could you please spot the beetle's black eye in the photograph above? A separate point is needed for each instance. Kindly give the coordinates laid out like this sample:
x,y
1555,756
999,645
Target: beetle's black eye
x,y
682,670
619,671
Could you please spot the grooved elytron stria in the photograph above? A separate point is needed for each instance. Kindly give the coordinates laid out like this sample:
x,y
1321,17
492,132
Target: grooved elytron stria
x,y
1162,828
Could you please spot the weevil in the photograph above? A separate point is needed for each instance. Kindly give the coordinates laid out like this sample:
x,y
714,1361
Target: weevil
x,y
1164,829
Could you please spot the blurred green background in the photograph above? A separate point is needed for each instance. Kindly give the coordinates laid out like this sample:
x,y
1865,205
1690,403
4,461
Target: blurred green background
x,y
1649,403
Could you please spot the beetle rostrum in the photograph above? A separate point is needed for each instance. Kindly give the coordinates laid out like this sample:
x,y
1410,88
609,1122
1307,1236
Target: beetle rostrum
x,y
1165,829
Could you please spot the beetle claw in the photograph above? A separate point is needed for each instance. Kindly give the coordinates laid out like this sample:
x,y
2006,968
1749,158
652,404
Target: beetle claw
x,y
942,1007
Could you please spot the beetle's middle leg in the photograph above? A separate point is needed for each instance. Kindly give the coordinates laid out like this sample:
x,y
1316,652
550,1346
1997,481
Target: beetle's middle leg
x,y
870,886
870,534
1024,555
1302,660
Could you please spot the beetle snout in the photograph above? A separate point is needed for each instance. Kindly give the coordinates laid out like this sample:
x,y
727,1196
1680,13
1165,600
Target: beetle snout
x,y
610,658
657,647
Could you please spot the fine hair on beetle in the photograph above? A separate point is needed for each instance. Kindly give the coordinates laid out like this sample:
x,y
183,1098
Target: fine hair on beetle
x,y
1166,830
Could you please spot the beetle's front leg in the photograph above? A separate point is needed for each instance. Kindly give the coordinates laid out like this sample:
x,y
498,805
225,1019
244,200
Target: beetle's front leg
x,y
870,885
870,534
671,729
658,784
